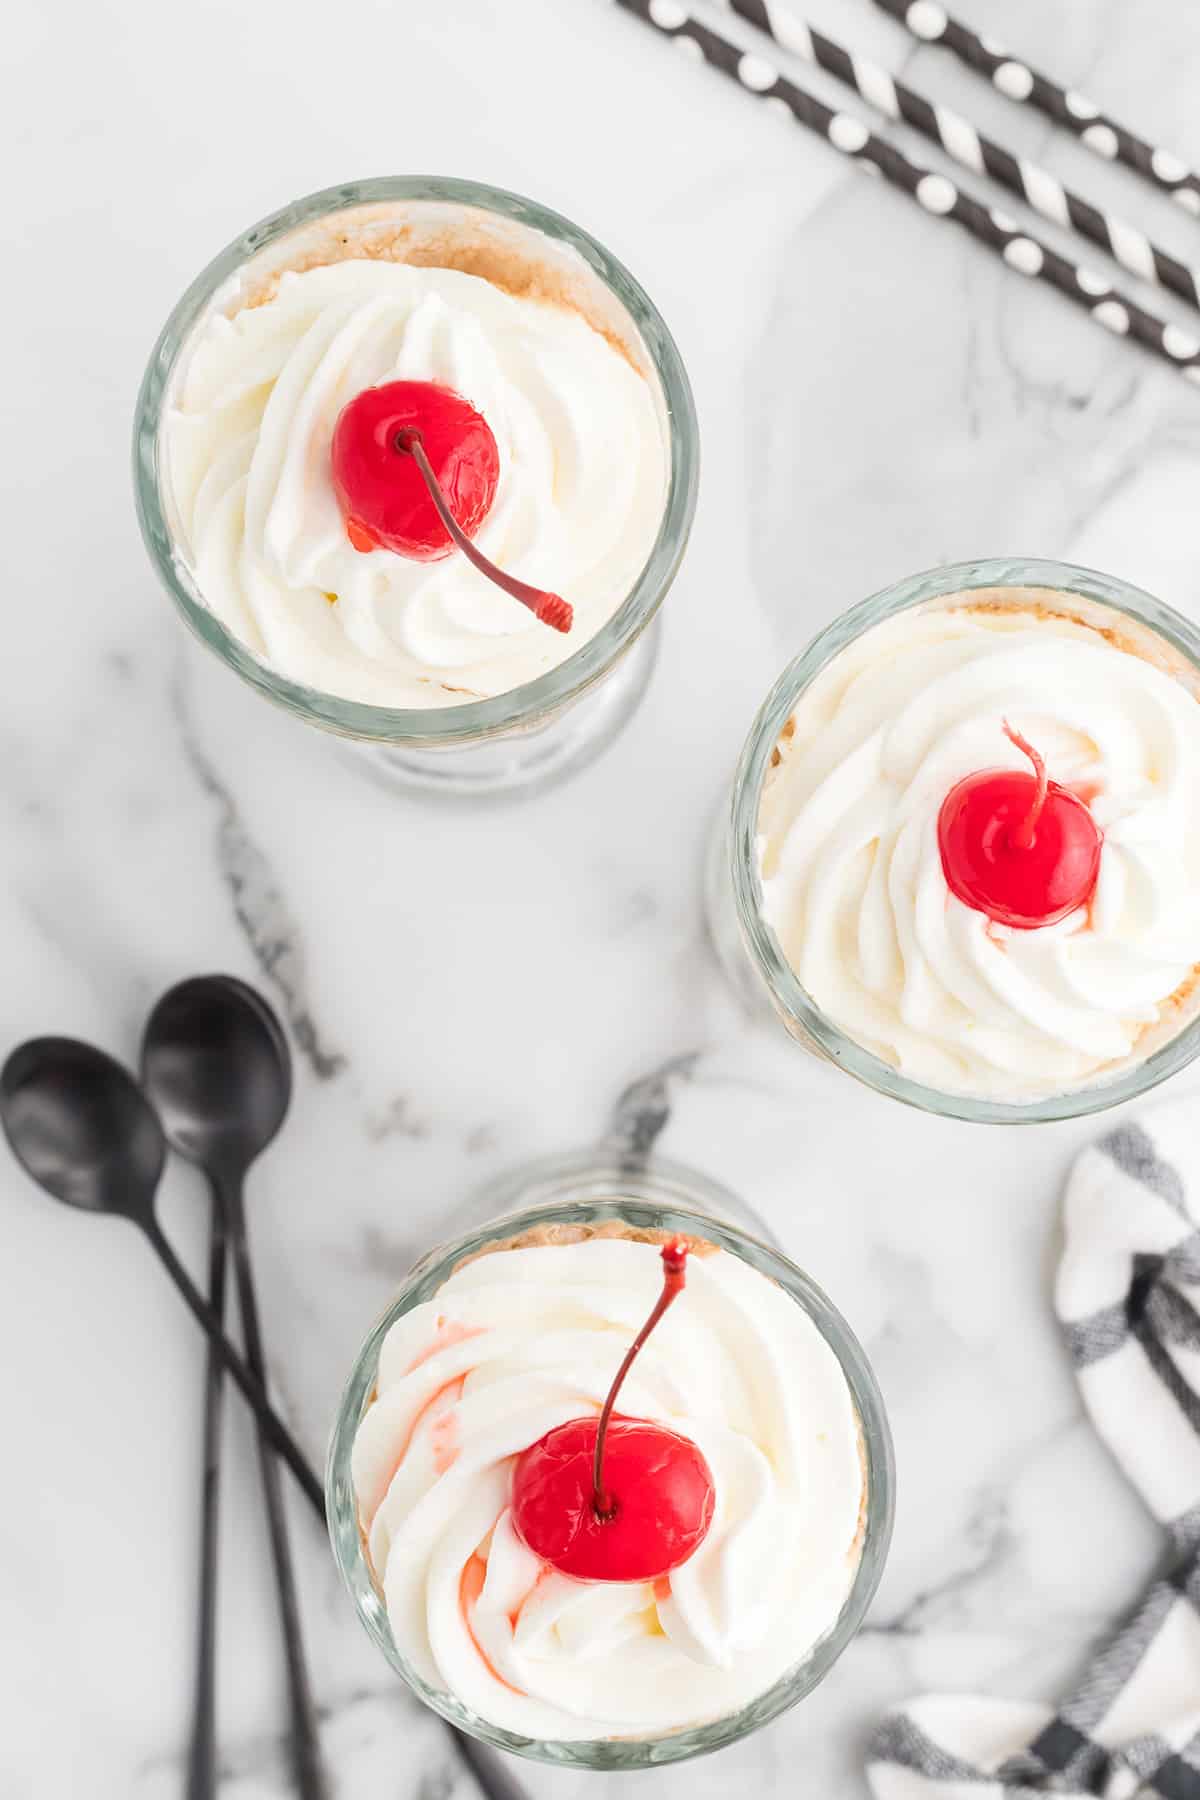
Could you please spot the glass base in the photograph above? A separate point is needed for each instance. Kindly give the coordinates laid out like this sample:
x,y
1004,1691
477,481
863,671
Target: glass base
x,y
519,763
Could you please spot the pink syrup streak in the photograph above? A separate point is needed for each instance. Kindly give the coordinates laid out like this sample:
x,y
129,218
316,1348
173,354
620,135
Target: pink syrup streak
x,y
448,1332
453,1387
542,1574
470,1586
444,1440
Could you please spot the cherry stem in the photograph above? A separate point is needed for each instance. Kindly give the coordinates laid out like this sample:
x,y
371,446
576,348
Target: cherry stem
x,y
674,1259
1021,836
551,609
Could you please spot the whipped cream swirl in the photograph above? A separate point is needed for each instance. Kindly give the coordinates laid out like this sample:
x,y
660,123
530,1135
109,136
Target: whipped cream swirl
x,y
583,476
851,871
522,1340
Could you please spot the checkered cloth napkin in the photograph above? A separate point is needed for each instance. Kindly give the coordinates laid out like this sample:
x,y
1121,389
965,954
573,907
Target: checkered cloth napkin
x,y
1128,1297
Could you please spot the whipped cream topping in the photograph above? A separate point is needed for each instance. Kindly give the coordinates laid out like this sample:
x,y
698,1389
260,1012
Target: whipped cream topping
x,y
583,478
852,879
524,1339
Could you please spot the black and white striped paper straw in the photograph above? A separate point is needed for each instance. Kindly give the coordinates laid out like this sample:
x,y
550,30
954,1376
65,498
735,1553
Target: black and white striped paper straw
x,y
937,194
967,146
930,22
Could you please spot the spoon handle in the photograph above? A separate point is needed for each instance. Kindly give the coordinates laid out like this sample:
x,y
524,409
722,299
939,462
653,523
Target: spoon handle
x,y
306,1748
202,1752
252,1388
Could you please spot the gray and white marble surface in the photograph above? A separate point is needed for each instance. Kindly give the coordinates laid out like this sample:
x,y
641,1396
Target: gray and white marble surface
x,y
469,989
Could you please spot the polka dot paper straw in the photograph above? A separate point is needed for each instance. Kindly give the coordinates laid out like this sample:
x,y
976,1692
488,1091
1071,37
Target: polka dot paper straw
x,y
930,22
936,194
963,144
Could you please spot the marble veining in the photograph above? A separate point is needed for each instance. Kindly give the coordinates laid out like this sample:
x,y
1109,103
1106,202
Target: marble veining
x,y
468,990
271,931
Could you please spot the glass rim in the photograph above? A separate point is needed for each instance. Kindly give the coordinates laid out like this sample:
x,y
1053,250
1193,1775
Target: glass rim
x,y
790,999
472,719
653,1193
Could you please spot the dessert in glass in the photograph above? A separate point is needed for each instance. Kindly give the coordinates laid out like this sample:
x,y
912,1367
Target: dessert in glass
x,y
417,458
603,1574
963,855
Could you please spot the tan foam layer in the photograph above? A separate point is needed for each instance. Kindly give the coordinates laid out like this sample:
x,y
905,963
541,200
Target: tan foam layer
x,y
522,261
556,1235
1118,629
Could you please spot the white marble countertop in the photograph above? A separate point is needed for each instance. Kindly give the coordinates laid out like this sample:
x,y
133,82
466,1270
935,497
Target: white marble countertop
x,y
467,990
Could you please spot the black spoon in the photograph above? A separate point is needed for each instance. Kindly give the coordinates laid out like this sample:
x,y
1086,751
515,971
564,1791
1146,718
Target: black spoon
x,y
216,1063
202,1776
216,1066
80,1125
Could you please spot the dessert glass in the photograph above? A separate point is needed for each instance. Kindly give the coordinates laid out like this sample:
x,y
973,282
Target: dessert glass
x,y
653,1195
746,944
547,728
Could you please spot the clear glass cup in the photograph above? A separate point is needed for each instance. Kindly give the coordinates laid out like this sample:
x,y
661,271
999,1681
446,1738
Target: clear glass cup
x,y
647,1194
545,729
749,949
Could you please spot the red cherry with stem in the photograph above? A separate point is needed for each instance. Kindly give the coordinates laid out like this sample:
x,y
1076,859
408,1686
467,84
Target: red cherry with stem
x,y
415,469
1018,847
616,1499
660,1488
380,489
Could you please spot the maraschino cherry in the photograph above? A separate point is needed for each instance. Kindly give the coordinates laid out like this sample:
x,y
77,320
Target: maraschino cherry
x,y
1018,847
415,469
616,1499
